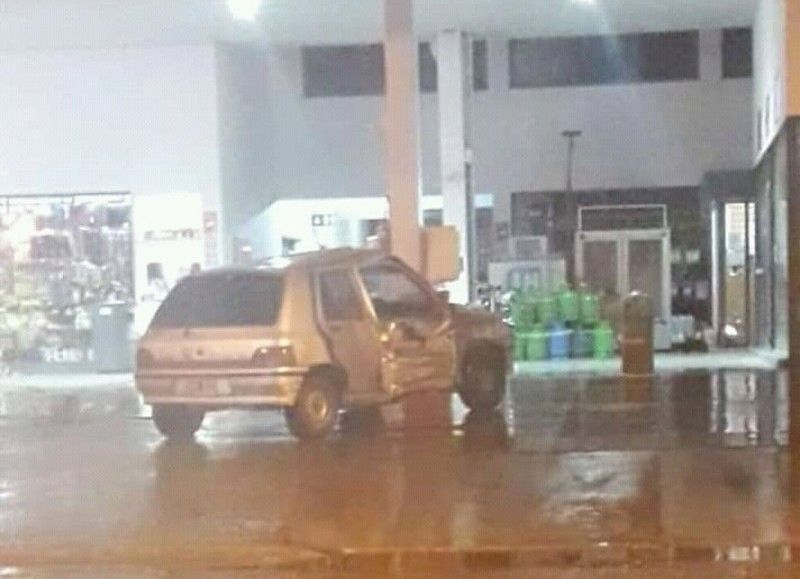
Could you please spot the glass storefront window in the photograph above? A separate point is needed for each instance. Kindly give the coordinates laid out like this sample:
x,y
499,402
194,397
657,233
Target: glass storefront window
x,y
60,257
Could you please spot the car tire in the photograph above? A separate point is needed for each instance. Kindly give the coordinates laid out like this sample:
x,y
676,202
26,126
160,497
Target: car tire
x,y
177,422
483,380
316,409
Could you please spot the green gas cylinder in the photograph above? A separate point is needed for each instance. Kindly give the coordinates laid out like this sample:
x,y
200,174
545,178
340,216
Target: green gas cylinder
x,y
518,312
603,341
520,346
589,308
525,315
546,309
537,342
568,305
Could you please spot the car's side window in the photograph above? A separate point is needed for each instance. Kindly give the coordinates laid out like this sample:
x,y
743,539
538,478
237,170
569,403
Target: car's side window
x,y
395,294
339,297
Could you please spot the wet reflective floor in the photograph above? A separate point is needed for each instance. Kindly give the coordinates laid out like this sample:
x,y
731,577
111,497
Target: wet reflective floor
x,y
571,474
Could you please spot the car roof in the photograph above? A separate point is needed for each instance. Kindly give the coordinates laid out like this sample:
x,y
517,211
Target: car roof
x,y
323,258
303,262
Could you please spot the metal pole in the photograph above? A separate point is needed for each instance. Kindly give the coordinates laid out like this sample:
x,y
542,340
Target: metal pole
x,y
570,136
571,202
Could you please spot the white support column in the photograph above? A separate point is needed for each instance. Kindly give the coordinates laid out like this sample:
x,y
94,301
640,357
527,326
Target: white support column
x,y
453,57
401,127
711,55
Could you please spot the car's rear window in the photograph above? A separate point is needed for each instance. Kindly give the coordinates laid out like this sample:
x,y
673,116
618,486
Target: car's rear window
x,y
230,299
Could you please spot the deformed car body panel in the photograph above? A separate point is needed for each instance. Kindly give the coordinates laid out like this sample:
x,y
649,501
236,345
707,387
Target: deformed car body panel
x,y
213,367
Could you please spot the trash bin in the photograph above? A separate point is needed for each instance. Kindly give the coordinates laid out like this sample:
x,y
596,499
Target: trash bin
x,y
110,338
636,342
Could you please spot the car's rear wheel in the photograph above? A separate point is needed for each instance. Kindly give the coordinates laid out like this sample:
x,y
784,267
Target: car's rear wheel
x,y
177,422
316,409
483,379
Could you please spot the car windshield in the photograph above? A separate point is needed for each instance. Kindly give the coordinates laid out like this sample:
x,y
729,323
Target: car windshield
x,y
231,299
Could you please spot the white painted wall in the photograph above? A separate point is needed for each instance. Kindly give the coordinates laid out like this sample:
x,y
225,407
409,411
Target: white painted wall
x,y
245,169
140,120
645,135
227,123
319,147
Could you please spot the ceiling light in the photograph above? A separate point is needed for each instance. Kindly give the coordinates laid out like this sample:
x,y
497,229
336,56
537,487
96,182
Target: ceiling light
x,y
246,10
585,2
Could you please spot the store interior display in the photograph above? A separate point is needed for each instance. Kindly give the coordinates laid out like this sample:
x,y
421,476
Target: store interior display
x,y
60,257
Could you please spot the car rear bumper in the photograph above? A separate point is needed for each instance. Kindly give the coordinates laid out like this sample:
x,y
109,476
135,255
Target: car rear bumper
x,y
221,390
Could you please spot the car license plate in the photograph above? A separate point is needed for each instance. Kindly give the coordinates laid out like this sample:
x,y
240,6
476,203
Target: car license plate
x,y
197,387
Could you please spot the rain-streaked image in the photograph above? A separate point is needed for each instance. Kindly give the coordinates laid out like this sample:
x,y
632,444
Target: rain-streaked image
x,y
399,288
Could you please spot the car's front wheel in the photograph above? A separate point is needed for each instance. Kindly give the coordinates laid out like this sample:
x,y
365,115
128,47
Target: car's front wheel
x,y
483,379
316,410
177,422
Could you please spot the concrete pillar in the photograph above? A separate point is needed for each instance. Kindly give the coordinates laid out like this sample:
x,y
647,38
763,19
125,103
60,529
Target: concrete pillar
x,y
453,58
791,131
401,126
499,82
793,56
711,55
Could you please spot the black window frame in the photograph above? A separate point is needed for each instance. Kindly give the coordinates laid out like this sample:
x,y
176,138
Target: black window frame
x,y
558,62
737,53
346,70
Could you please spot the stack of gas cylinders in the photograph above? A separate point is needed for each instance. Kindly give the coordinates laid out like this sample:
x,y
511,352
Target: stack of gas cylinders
x,y
560,325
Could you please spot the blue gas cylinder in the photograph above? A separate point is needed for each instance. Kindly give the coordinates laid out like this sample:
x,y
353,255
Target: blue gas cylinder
x,y
560,341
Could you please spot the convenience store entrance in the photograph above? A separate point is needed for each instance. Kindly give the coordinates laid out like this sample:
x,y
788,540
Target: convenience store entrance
x,y
61,256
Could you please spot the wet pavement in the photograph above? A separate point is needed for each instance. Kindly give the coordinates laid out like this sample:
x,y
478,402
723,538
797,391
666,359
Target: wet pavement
x,y
596,477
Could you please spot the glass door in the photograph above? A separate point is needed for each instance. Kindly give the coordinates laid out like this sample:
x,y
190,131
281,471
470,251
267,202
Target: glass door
x,y
600,267
615,263
646,270
739,274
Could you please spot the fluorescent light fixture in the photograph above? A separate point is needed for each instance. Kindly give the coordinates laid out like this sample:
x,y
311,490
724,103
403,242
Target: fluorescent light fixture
x,y
245,10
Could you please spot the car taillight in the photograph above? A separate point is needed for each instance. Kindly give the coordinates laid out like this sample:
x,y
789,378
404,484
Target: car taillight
x,y
275,357
144,359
